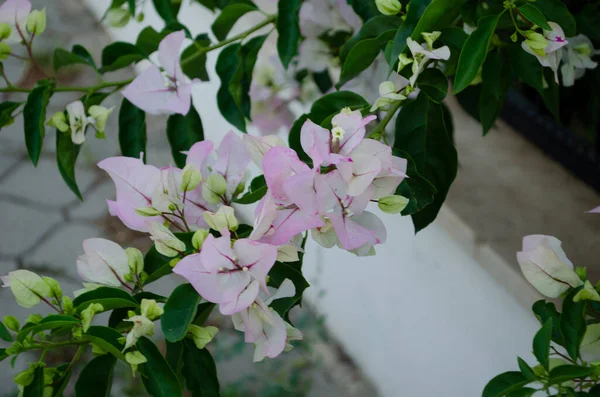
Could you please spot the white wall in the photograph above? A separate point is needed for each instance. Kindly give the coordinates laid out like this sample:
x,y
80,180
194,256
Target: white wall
x,y
422,318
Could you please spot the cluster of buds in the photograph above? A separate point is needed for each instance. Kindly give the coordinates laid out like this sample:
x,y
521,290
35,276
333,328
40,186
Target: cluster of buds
x,y
18,23
76,120
389,7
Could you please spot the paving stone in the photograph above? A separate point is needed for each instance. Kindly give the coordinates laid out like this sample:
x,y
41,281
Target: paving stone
x,y
94,203
7,161
43,184
59,252
23,226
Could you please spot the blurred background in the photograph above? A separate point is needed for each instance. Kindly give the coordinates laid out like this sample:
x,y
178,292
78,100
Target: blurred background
x,y
436,314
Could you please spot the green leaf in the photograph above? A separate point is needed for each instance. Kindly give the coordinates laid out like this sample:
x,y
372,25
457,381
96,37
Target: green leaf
x,y
50,322
332,104
157,376
533,14
36,387
505,383
288,27
119,55
416,188
365,9
3,354
34,117
107,339
541,344
415,12
230,70
572,323
434,84
199,371
294,138
149,39
361,50
526,370
183,132
132,130
66,157
167,9
250,54
109,297
557,11
496,81
523,392
6,111
565,373
78,55
203,312
474,52
174,358
193,63
60,382
4,333
229,16
96,377
422,132
257,190
180,310
544,311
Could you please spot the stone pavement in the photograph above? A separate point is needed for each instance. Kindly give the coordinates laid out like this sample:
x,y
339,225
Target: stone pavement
x,y
44,223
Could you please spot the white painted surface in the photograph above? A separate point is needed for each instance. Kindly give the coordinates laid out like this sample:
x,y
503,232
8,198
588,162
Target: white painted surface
x,y
422,318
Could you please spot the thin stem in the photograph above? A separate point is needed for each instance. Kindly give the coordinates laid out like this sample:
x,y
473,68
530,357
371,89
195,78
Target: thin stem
x,y
562,355
380,129
56,345
29,50
76,357
3,74
49,304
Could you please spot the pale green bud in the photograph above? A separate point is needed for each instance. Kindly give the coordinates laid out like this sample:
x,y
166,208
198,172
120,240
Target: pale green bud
x,y
118,17
587,293
128,278
536,42
393,204
36,21
430,38
213,188
581,273
583,49
403,61
165,241
239,189
143,277
202,335
58,121
25,378
54,287
4,51
97,350
134,359
88,314
5,31
190,178
223,219
140,17
100,115
67,304
12,323
135,259
388,7
199,237
147,211
174,262
150,309
34,319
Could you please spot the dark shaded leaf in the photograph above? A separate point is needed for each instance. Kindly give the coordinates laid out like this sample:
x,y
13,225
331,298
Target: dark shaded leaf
x,y
50,322
77,55
193,62
4,333
96,378
66,157
107,339
119,55
34,117
541,344
230,70
6,111
132,130
158,377
416,188
505,383
36,387
180,310
533,14
565,373
109,297
288,27
167,9
183,132
572,323
229,16
434,84
557,11
199,371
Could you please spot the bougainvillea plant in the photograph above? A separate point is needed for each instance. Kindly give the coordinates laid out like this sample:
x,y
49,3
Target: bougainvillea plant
x,y
371,77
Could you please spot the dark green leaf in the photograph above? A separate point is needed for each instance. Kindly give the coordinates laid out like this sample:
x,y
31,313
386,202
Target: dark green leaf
x,y
158,377
541,344
544,311
193,62
78,55
294,138
180,310
50,322
4,333
3,354
61,381
416,188
258,188
107,339
96,378
36,387
109,297
132,130
533,14
199,371
414,14
149,39
34,117
496,80
572,323
366,9
323,81
204,310
421,131
526,370
183,132
595,391
557,11
119,55
333,103
523,392
249,53
565,373
167,9
6,111
505,383
228,17
230,70
66,157
434,84
288,26
174,358
474,52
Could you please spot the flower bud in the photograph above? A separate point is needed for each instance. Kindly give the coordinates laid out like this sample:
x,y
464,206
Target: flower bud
x,y
150,309
587,293
430,38
87,315
213,188
581,273
118,17
393,204
147,211
34,319
67,304
12,323
4,51
224,219
5,31
202,335
134,359
36,21
100,115
190,178
388,7
199,237
403,61
536,42
54,287
135,260
58,121
165,241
